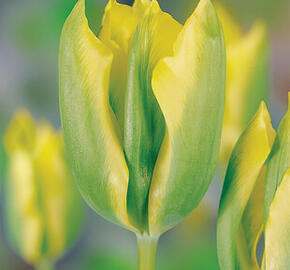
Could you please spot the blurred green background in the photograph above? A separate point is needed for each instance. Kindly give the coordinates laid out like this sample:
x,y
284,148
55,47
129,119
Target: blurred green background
x,y
29,36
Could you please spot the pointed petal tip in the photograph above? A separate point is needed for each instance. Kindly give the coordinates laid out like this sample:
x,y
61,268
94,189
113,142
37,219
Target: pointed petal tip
x,y
208,16
203,6
263,107
265,118
81,4
263,111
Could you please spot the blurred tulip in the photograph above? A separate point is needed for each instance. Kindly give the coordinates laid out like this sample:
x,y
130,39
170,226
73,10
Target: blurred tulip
x,y
43,211
247,78
258,175
141,109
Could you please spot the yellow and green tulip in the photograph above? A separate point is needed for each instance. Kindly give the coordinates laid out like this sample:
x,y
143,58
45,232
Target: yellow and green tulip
x,y
43,210
256,196
141,109
247,77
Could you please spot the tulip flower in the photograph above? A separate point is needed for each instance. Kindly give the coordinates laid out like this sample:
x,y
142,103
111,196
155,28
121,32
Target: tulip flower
x,y
258,176
43,211
247,78
141,109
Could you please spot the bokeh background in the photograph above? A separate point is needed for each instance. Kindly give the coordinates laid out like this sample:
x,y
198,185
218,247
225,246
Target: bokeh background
x,y
29,37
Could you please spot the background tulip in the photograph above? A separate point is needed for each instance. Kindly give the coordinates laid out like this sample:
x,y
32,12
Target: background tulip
x,y
257,177
141,110
43,211
247,80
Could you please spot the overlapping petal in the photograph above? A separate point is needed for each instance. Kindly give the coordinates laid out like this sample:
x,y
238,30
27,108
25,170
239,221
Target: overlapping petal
x,y
89,124
238,225
115,112
189,87
279,160
144,123
119,24
277,231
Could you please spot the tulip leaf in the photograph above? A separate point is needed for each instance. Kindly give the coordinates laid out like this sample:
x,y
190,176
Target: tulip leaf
x,y
237,234
279,160
189,87
144,123
89,125
277,231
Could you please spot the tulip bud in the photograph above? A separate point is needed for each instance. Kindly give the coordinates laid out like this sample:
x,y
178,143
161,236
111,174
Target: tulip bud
x,y
40,194
277,198
141,109
257,177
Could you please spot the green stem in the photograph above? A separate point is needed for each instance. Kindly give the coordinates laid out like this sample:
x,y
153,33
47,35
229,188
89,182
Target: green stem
x,y
45,265
147,246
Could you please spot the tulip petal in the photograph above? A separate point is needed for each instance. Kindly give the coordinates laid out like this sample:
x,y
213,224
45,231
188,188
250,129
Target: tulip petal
x,y
189,87
61,208
21,133
246,85
277,232
119,23
258,81
19,142
21,184
251,226
243,176
232,30
279,160
144,123
89,126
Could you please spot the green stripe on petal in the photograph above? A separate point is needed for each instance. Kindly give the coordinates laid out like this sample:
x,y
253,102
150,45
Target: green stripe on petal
x,y
277,232
189,87
119,24
144,123
244,176
279,160
89,126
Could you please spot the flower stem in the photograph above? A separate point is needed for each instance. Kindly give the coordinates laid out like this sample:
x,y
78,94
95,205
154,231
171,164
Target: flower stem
x,y
45,265
147,246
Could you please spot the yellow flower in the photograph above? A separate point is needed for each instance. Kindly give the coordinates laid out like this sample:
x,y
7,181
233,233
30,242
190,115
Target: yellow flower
x,y
247,78
42,207
141,110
